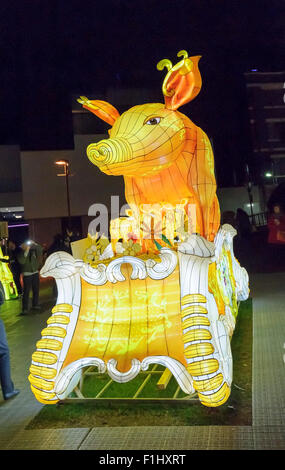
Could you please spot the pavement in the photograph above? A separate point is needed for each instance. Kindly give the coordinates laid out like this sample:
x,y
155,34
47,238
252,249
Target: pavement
x,y
268,421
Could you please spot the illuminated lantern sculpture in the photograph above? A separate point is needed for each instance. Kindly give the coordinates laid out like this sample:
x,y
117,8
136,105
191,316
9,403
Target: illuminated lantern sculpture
x,y
6,279
166,288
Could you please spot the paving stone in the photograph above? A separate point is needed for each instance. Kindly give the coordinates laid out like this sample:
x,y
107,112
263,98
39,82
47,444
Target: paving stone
x,y
268,350
170,438
269,438
48,439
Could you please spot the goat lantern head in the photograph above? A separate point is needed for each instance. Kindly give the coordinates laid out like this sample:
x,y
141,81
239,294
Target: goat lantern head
x,y
161,153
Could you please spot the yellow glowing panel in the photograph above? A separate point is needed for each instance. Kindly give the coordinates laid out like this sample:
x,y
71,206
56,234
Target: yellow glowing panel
x,y
131,319
6,279
222,283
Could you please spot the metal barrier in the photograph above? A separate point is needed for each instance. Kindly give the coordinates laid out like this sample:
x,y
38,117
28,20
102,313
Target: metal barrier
x,y
259,220
164,377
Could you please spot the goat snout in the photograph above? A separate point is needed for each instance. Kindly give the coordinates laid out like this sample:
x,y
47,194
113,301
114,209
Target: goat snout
x,y
109,152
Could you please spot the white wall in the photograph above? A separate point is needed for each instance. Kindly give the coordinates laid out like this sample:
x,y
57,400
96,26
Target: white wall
x,y
232,198
44,193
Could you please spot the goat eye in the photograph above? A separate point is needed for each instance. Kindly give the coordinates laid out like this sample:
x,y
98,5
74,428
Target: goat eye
x,y
153,121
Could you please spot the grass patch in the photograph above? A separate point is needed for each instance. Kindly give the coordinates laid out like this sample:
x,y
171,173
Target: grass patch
x,y
236,412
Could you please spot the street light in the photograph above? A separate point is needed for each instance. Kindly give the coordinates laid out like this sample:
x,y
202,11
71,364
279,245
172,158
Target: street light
x,y
65,165
249,190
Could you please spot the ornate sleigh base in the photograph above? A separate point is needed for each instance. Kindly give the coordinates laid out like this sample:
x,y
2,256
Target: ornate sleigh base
x,y
125,315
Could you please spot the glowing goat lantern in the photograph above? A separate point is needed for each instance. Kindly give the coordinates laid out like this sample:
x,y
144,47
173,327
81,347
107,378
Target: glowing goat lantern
x,y
160,291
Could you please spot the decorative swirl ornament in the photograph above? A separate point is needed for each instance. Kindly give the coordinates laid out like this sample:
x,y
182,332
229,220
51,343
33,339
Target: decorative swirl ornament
x,y
62,265
183,54
95,276
164,63
160,66
165,267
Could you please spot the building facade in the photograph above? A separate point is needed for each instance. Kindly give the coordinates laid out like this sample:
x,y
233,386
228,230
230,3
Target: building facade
x,y
266,107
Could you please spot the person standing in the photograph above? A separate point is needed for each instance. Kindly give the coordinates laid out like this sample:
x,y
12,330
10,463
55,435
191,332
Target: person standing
x,y
276,238
243,225
276,226
30,259
57,245
8,389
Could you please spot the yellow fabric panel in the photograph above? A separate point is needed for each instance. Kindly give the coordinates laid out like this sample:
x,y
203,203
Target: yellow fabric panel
x,y
194,335
41,383
62,308
216,399
44,357
41,394
193,298
63,319
193,309
209,384
48,343
45,372
129,319
203,367
195,321
199,349
54,331
214,288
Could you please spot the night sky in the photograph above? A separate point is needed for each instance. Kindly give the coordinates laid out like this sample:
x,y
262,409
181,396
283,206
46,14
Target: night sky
x,y
52,49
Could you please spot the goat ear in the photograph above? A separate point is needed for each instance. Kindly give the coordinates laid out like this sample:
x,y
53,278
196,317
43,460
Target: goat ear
x,y
183,81
102,109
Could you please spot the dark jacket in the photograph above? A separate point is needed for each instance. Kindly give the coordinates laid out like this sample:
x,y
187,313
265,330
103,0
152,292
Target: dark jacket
x,y
32,262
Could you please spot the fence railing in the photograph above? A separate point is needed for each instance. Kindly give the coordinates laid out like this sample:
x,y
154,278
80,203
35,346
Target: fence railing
x,y
259,220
